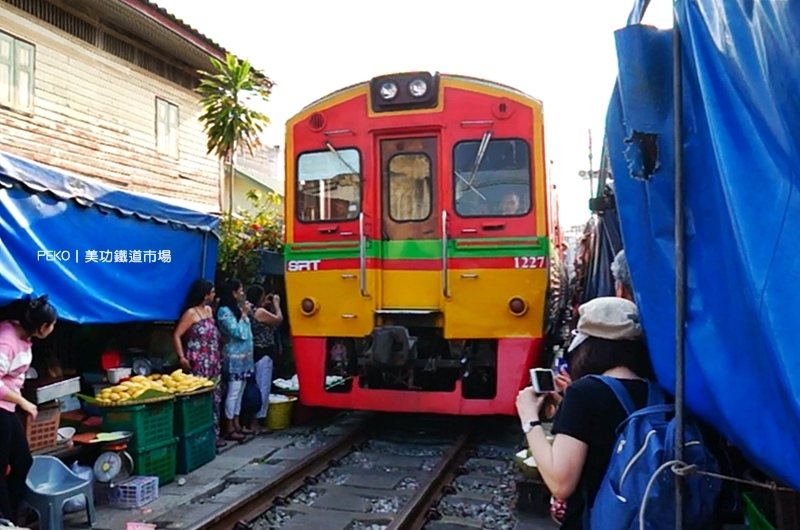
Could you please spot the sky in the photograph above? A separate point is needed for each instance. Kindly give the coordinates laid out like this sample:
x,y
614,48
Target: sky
x,y
561,52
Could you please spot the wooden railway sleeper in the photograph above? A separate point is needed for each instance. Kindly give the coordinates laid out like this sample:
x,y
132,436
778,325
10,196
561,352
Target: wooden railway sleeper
x,y
417,510
277,492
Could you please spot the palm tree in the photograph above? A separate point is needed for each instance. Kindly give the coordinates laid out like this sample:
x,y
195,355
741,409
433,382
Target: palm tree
x,y
230,123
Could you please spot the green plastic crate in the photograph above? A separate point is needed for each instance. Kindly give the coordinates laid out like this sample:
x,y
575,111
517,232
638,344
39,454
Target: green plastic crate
x,y
151,424
196,449
157,461
193,413
755,519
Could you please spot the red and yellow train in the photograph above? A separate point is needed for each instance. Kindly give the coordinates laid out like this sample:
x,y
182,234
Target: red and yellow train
x,y
423,268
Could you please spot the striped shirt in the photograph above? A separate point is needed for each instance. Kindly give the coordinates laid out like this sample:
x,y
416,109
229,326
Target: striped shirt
x,y
15,359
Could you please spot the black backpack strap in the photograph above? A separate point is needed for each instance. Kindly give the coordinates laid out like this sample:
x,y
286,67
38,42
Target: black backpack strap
x,y
586,514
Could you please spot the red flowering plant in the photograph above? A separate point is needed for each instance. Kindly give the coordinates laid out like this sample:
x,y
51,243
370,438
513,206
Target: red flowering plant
x,y
249,232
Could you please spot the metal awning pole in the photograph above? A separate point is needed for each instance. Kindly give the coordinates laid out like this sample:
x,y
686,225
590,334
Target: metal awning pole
x,y
680,260
204,256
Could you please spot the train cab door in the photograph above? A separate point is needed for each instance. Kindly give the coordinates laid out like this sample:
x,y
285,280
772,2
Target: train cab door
x,y
496,265
326,262
410,225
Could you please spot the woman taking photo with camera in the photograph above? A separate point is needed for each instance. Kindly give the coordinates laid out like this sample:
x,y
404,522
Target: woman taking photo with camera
x,y
237,354
32,318
609,342
265,346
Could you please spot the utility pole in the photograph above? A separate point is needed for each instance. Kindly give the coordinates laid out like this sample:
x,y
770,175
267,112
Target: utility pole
x,y
591,172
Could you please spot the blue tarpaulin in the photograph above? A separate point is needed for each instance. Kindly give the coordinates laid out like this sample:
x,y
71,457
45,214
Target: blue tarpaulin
x,y
741,128
102,255
599,280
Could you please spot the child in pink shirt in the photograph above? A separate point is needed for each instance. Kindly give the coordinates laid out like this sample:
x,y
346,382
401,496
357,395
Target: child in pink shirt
x,y
34,318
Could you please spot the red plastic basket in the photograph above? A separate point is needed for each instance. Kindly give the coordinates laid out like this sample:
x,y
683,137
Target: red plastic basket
x,y
43,432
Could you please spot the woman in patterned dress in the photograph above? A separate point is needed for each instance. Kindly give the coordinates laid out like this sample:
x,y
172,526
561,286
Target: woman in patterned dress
x,y
196,341
237,354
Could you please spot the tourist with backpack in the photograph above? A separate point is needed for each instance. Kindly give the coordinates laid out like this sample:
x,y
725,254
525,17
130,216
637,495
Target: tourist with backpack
x,y
613,432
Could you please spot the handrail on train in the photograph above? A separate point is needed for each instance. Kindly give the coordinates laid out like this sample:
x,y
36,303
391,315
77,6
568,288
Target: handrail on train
x,y
362,256
444,254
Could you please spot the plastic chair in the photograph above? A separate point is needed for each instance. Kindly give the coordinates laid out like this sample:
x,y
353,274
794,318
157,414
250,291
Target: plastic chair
x,y
50,483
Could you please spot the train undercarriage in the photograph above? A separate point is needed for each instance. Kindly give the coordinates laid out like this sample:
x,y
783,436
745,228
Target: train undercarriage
x,y
415,359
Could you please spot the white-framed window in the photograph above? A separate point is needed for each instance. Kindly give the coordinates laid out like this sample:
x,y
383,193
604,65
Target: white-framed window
x,y
167,124
17,59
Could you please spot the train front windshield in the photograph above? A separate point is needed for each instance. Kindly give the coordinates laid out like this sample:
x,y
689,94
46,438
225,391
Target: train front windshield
x,y
500,186
329,185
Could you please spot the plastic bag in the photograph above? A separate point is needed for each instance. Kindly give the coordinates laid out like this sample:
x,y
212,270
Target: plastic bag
x,y
251,400
78,502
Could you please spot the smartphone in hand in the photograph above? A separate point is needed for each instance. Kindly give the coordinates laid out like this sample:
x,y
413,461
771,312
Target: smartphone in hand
x,y
543,381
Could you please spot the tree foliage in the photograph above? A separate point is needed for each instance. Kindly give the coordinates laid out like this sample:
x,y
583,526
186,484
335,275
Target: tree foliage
x,y
243,236
229,122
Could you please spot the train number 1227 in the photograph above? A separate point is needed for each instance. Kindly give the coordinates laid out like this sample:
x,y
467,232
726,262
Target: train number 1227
x,y
530,262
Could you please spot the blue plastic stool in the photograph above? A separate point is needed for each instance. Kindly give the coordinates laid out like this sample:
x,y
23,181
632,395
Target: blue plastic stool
x,y
50,483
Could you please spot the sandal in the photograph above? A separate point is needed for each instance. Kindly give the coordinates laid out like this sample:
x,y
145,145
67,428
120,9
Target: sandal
x,y
221,443
235,437
246,431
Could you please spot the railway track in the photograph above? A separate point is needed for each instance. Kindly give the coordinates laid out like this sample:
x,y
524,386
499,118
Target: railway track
x,y
388,474
415,513
293,477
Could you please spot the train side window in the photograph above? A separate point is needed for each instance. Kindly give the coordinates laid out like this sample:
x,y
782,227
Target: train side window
x,y
501,185
329,185
409,181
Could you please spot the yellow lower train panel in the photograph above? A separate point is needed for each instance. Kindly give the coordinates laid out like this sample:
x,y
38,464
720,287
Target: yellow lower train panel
x,y
477,305
411,289
341,310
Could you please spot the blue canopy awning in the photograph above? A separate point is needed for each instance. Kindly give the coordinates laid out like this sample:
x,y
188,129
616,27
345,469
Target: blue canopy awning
x,y
103,255
741,132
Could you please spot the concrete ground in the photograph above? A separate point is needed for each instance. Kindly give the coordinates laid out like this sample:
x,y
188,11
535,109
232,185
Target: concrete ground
x,y
238,471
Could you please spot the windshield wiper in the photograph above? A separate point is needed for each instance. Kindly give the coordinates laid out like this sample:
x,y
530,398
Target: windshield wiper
x,y
469,186
335,152
487,137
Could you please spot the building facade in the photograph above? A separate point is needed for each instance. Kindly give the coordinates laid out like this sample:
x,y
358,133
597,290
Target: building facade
x,y
105,89
257,171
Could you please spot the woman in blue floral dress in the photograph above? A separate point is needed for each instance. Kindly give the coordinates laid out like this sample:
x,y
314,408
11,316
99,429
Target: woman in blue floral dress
x,y
237,354
196,341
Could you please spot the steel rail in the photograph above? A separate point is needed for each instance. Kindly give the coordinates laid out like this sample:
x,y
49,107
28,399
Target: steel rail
x,y
416,511
240,515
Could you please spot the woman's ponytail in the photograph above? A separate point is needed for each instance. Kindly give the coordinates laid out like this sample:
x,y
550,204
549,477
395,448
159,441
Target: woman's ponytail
x,y
35,313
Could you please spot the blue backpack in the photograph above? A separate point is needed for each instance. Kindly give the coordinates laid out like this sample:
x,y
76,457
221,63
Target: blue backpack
x,y
645,443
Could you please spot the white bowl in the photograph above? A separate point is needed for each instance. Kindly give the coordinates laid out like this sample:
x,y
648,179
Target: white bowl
x,y
65,434
116,374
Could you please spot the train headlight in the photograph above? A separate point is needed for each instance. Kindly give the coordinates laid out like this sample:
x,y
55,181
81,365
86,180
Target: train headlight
x,y
308,306
418,88
389,90
400,92
517,306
